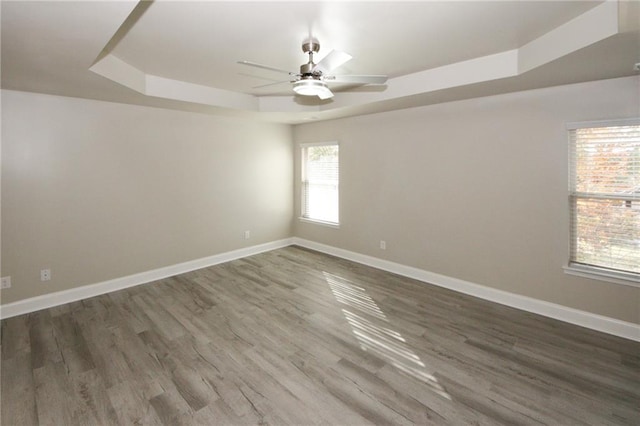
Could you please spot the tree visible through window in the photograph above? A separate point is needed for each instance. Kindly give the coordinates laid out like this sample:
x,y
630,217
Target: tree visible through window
x,y
320,179
605,198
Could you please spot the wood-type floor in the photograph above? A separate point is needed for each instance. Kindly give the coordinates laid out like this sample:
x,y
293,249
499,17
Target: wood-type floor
x,y
297,337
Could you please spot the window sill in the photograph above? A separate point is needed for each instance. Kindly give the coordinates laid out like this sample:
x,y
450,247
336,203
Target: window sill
x,y
602,274
320,222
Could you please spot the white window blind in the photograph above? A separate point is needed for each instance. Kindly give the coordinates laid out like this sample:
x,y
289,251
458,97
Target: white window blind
x,y
320,181
605,198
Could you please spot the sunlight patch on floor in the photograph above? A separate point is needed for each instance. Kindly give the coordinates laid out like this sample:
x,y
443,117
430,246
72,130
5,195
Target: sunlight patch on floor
x,y
378,339
353,296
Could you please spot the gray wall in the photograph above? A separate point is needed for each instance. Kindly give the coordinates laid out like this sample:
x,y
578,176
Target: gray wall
x,y
97,190
475,190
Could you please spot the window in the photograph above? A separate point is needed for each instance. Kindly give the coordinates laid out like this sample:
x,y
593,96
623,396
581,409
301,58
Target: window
x,y
320,178
605,199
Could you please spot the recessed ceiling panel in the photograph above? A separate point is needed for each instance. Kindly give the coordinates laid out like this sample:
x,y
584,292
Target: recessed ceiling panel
x,y
201,42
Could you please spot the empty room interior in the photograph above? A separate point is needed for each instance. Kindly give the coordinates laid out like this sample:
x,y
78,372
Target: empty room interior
x,y
309,212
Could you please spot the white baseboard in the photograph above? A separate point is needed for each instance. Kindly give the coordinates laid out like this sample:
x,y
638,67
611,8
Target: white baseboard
x,y
61,297
563,313
601,323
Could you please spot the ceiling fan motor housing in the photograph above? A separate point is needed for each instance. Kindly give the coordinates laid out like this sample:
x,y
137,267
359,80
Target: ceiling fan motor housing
x,y
306,70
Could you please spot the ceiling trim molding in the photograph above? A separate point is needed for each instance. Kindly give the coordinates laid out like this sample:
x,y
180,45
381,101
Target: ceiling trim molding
x,y
595,25
184,91
117,70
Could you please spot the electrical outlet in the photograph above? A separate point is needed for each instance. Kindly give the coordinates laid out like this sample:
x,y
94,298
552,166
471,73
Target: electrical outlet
x,y
383,245
6,282
45,275
247,235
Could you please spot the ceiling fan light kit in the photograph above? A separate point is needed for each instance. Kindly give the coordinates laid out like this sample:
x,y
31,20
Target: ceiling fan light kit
x,y
312,79
312,87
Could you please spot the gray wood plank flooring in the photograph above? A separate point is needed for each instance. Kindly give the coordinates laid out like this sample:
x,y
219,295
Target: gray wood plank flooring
x,y
297,337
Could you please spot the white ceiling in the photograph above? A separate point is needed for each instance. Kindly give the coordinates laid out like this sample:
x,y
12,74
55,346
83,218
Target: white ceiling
x,y
183,55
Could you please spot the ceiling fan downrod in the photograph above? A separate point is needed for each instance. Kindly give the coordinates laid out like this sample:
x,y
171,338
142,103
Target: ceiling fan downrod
x,y
306,70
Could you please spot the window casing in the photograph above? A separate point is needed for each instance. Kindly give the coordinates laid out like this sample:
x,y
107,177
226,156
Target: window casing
x,y
604,186
320,182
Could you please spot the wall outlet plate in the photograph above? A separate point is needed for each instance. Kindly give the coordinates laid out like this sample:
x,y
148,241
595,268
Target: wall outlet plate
x,y
45,275
6,282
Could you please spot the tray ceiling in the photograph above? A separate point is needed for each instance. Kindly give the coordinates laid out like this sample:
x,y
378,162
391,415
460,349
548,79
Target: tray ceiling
x,y
183,55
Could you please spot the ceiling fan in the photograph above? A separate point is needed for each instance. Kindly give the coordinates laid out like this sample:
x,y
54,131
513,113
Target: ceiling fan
x,y
313,79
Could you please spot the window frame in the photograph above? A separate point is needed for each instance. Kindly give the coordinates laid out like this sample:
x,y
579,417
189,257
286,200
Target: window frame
x,y
303,162
600,273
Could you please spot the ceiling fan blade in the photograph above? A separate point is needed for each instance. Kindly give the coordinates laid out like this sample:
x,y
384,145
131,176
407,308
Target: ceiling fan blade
x,y
356,79
271,84
325,94
266,67
333,60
